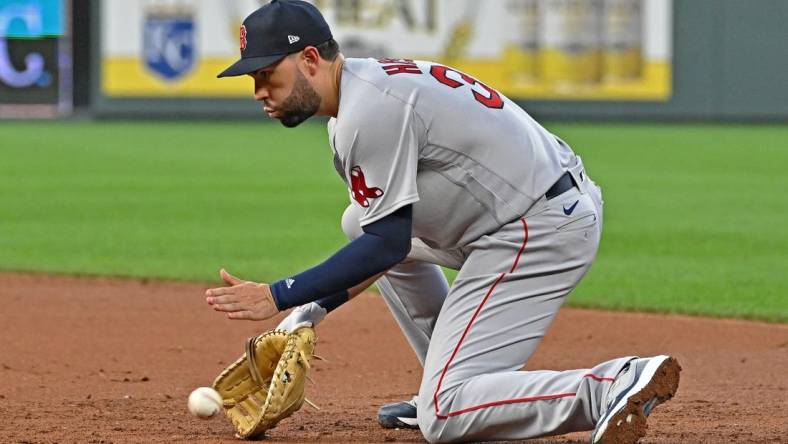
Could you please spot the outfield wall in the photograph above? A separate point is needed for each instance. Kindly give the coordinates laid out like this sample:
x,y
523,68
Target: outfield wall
x,y
723,60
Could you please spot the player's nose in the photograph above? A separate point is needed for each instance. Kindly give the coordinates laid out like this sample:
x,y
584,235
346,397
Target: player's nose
x,y
260,92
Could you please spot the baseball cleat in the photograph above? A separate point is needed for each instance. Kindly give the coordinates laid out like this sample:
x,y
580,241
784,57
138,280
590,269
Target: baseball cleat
x,y
639,387
399,415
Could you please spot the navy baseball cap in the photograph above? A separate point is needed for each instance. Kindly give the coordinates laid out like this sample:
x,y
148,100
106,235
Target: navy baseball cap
x,y
277,29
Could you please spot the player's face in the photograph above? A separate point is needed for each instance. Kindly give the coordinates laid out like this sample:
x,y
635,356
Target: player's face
x,y
287,94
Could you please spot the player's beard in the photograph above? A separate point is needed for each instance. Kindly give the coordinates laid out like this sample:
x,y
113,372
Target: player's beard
x,y
301,104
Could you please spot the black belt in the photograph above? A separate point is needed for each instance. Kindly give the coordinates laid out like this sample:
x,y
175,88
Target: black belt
x,y
562,185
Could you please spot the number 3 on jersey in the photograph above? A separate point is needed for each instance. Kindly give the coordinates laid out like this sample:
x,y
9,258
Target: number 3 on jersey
x,y
491,98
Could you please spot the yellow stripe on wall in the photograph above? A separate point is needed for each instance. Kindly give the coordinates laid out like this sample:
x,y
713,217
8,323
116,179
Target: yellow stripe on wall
x,y
654,84
129,77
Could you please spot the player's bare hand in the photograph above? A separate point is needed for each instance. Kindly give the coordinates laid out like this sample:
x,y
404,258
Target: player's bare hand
x,y
242,299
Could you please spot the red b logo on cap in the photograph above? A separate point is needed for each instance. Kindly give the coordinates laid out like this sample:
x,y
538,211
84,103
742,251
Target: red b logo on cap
x,y
243,37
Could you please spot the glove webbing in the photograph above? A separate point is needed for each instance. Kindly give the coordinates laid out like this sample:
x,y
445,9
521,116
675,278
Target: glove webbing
x,y
251,362
255,372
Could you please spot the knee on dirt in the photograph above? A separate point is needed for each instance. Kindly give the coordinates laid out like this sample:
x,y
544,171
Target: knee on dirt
x,y
435,429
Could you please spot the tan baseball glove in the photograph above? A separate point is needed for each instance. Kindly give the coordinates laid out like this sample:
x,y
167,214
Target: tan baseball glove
x,y
266,385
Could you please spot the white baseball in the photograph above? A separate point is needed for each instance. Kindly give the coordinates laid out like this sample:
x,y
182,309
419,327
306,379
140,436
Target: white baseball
x,y
204,402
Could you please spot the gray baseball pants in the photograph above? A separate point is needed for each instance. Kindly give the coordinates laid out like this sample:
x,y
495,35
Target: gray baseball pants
x,y
474,337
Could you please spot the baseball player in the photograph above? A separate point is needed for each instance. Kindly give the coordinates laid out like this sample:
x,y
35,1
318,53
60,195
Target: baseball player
x,y
442,169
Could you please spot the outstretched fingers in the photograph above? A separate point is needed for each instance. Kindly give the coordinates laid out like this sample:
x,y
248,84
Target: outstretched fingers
x,y
219,291
228,278
228,307
243,314
225,299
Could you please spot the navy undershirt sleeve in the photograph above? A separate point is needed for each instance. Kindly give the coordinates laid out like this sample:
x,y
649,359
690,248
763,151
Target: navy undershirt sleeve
x,y
384,244
332,302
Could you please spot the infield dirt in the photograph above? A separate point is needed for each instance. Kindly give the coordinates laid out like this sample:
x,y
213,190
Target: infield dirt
x,y
109,360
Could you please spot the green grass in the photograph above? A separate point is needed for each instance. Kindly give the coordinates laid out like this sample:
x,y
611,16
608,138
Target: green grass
x,y
696,217
167,200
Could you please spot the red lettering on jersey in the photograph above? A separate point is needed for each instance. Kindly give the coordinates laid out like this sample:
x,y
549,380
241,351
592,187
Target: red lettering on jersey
x,y
243,37
493,101
359,189
399,66
402,69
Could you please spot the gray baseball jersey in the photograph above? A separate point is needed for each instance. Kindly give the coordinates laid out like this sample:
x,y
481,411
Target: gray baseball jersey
x,y
476,168
466,157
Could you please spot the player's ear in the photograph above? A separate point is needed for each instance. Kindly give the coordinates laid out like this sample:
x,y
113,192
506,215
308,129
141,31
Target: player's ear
x,y
310,57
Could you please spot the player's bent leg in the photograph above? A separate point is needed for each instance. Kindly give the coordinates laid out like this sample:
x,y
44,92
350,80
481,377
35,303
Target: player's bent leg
x,y
414,292
502,302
